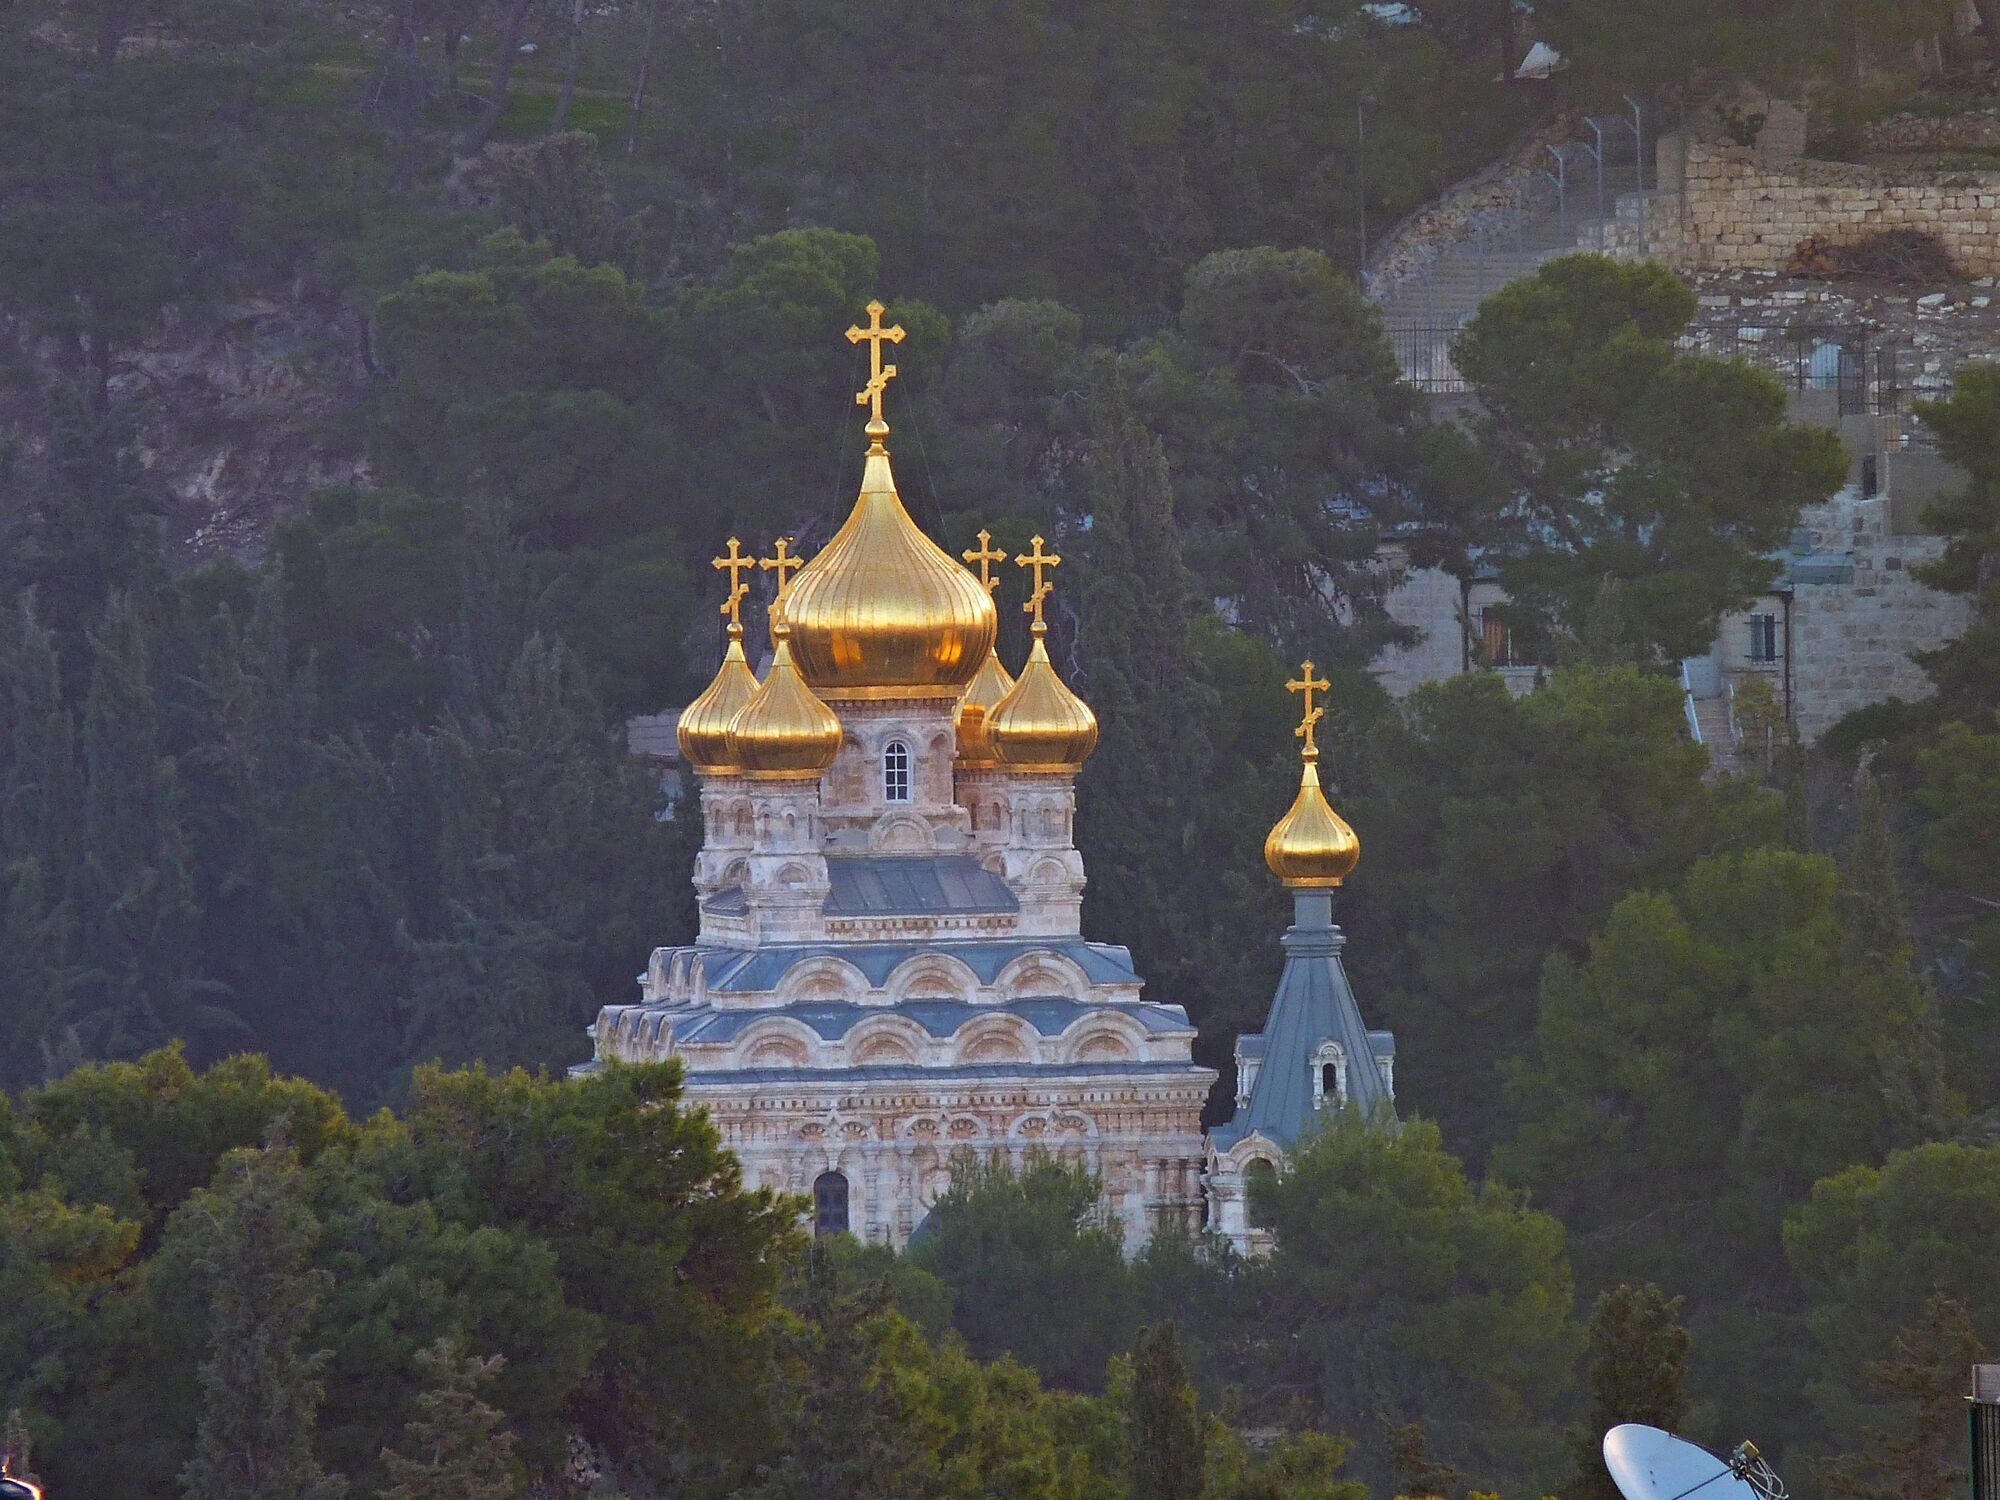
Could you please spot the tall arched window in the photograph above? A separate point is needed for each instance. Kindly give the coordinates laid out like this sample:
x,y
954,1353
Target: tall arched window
x,y
829,1203
895,772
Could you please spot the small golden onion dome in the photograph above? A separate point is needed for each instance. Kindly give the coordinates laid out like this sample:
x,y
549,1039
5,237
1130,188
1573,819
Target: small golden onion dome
x,y
704,724
989,685
1312,848
1041,725
882,612
784,730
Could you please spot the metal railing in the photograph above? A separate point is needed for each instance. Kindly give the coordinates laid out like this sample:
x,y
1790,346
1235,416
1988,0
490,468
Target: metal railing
x,y
1862,367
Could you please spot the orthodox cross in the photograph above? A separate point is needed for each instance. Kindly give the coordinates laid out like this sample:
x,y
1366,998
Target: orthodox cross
x,y
1307,685
1038,560
735,562
985,556
784,564
879,374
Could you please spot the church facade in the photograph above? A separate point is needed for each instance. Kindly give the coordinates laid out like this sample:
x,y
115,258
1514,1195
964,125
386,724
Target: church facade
x,y
890,976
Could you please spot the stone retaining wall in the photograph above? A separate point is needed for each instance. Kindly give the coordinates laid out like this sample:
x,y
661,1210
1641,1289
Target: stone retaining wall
x,y
1742,211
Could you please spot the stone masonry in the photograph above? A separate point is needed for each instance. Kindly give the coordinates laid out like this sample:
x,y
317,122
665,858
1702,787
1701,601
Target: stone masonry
x,y
1744,210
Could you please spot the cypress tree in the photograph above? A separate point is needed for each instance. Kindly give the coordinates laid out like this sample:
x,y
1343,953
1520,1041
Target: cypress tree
x,y
1168,1454
133,881
455,1446
1136,815
260,1389
1638,1373
38,804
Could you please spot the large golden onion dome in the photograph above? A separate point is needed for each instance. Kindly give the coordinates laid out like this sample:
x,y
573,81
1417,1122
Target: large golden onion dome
x,y
705,723
882,612
784,730
1041,725
1311,848
991,683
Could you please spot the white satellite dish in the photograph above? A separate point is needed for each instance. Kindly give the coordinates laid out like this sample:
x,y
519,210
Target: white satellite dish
x,y
1648,1464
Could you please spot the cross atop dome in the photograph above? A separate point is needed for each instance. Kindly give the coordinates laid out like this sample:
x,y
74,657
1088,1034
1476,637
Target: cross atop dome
x,y
879,374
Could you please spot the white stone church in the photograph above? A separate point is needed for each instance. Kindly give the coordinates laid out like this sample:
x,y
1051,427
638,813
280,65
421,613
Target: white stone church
x,y
890,975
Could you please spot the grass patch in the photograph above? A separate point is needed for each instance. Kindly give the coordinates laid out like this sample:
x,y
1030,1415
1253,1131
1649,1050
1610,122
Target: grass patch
x,y
528,114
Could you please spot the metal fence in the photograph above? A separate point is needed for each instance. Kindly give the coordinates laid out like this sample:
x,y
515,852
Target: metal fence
x,y
1423,353
1862,368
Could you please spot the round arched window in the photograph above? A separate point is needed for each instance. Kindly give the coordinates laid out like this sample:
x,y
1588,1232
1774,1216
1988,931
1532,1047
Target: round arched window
x,y
830,1203
896,771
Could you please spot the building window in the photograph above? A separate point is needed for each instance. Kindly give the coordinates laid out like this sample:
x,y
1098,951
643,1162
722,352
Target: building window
x,y
1259,1178
1496,639
829,1204
895,772
1329,1074
1763,637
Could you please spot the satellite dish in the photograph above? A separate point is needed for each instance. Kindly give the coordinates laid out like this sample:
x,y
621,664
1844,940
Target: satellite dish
x,y
1648,1464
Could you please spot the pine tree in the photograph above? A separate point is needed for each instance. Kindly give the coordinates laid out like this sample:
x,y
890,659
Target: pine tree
x,y
1638,1373
1167,1454
455,1448
260,1390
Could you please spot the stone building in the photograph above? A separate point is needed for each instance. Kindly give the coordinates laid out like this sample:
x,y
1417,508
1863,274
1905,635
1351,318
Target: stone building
x,y
890,976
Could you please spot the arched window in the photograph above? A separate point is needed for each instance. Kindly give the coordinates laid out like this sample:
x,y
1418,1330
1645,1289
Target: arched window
x,y
829,1204
895,772
1329,1075
1259,1178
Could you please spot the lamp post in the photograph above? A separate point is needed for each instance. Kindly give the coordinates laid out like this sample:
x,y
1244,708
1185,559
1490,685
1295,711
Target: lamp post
x,y
1361,178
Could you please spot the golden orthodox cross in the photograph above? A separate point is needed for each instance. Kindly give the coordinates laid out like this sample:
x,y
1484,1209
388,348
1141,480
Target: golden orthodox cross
x,y
985,556
879,374
735,562
1038,560
1307,684
784,564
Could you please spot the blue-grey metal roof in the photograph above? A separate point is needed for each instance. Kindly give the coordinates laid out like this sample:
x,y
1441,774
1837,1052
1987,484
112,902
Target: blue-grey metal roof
x,y
1314,1003
913,885
760,970
1050,1016
731,902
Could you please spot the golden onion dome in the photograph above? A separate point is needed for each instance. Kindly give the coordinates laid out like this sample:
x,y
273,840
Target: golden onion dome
x,y
1311,848
1040,725
989,685
784,730
704,724
882,611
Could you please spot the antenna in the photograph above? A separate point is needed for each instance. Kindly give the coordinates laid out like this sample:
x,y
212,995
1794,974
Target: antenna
x,y
1648,1464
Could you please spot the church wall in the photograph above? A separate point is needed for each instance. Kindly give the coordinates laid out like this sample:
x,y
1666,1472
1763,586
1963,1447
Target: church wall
x,y
897,1143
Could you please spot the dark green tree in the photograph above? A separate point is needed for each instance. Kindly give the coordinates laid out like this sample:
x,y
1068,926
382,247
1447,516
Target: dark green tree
x,y
260,1385
1638,1373
1965,425
1497,829
1010,1244
1916,1451
455,1447
1400,1288
1168,1441
1673,474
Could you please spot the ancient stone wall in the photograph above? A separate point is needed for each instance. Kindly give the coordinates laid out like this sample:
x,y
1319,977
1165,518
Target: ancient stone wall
x,y
1743,210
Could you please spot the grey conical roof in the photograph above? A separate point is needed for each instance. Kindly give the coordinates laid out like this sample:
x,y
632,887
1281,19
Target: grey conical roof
x,y
1313,1003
